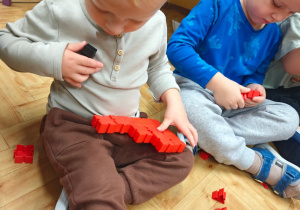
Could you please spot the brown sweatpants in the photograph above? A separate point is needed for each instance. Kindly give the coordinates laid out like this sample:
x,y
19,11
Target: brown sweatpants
x,y
107,171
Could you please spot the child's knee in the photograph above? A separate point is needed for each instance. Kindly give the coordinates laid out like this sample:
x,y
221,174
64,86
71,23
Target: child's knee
x,y
185,161
291,120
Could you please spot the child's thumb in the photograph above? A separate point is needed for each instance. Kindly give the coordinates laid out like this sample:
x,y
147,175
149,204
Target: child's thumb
x,y
76,46
244,89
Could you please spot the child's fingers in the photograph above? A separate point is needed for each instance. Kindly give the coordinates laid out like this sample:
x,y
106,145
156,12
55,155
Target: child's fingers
x,y
191,134
164,125
76,46
244,89
91,63
258,99
241,104
85,70
194,133
73,82
188,130
76,79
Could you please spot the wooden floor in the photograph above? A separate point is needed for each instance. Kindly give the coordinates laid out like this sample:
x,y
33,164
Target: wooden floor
x,y
35,186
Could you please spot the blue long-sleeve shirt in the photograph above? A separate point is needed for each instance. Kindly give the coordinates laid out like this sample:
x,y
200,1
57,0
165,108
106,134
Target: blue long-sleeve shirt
x,y
217,37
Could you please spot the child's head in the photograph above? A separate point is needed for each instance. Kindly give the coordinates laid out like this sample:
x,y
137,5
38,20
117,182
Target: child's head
x,y
261,12
122,16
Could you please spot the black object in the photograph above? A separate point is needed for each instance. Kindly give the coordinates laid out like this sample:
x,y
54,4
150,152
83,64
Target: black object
x,y
88,51
290,96
290,149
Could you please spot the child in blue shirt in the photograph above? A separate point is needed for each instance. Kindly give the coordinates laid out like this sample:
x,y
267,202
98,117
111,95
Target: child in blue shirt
x,y
221,50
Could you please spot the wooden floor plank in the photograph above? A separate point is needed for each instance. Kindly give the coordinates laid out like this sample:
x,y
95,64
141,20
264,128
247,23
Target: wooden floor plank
x,y
23,133
200,196
32,201
171,197
21,182
13,89
248,189
3,144
32,110
8,115
40,90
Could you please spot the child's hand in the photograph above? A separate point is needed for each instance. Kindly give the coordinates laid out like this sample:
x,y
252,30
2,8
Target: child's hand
x,y
227,93
77,68
175,115
256,100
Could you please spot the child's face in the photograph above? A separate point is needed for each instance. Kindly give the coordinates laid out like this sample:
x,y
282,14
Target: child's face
x,y
121,16
261,12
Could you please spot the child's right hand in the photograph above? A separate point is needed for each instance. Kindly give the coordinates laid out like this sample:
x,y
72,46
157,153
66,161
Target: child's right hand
x,y
227,93
77,68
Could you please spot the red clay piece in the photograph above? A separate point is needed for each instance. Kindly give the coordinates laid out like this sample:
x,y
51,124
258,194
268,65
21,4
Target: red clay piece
x,y
264,185
24,154
219,196
251,94
142,130
204,155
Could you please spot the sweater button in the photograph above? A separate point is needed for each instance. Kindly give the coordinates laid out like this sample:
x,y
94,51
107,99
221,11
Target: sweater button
x,y
117,67
120,52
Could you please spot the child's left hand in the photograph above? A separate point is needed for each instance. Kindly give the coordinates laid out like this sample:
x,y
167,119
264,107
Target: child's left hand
x,y
176,115
258,99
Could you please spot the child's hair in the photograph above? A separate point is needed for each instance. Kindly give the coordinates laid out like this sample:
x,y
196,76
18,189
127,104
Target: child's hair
x,y
147,3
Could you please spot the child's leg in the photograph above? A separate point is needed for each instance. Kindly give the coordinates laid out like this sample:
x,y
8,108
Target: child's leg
x,y
83,162
283,176
145,172
86,164
224,134
264,123
267,122
215,134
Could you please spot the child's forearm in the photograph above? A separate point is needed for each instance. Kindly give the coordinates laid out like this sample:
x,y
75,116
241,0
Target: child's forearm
x,y
215,82
171,96
34,57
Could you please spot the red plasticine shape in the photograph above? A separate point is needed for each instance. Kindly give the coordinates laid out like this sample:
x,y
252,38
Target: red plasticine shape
x,y
219,195
23,154
142,130
251,94
204,155
264,185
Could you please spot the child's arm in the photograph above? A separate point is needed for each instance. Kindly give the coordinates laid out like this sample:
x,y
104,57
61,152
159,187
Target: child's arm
x,y
183,44
291,62
175,115
31,44
162,86
289,49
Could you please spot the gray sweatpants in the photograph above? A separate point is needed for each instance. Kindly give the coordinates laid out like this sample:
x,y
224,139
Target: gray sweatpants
x,y
225,133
